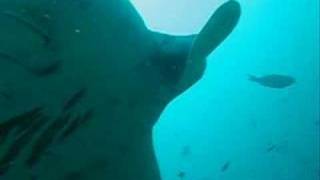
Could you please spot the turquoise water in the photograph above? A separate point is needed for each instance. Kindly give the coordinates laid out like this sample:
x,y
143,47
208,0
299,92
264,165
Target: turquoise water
x,y
225,120
82,83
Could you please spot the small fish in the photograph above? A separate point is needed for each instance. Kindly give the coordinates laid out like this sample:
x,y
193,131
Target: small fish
x,y
273,80
279,147
225,166
46,138
19,123
23,127
74,99
181,174
18,145
51,69
76,123
272,148
186,151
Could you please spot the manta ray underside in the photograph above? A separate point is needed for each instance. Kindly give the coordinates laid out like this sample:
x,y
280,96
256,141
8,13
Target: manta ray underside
x,y
82,83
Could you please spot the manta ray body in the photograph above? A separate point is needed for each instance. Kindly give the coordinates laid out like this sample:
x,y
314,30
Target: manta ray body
x,y
82,83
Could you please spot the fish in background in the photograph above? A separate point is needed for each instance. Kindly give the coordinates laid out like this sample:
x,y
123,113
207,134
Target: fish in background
x,y
276,81
279,147
186,151
271,148
181,174
225,166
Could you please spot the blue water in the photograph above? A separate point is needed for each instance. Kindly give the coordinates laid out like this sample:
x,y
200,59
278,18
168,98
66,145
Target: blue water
x,y
225,120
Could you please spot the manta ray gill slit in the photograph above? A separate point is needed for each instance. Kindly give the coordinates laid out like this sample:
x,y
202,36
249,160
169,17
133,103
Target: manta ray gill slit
x,y
37,24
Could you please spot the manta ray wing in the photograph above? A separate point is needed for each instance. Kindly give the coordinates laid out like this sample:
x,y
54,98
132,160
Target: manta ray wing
x,y
82,83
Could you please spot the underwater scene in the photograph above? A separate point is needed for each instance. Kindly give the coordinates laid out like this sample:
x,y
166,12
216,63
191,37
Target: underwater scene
x,y
228,127
159,90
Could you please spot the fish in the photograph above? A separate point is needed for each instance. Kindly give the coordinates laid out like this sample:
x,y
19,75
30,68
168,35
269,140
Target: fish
x,y
46,139
19,144
276,81
21,128
181,174
186,151
102,79
75,99
271,148
279,147
225,166
76,123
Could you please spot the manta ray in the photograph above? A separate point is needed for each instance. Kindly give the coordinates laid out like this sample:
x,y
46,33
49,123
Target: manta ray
x,y
83,82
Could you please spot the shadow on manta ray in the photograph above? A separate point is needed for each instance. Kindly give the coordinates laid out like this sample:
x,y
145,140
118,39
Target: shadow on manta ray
x,y
82,82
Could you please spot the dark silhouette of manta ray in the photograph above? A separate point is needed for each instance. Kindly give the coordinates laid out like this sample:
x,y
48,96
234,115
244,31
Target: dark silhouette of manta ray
x,y
82,83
